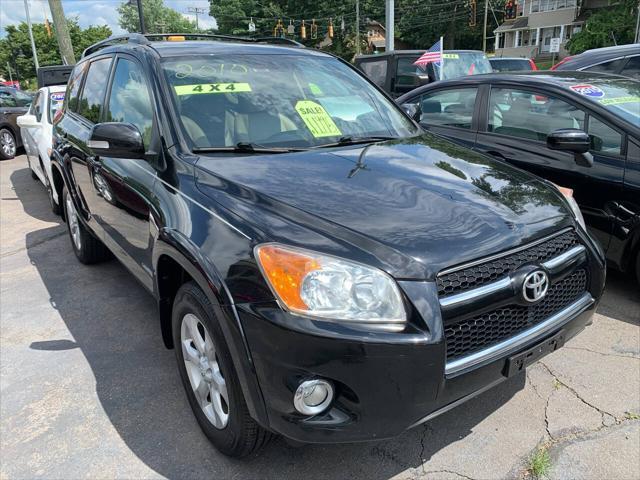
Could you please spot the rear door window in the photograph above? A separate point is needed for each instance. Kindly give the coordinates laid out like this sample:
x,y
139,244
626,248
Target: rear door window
x,y
448,108
528,115
376,71
611,66
632,68
92,97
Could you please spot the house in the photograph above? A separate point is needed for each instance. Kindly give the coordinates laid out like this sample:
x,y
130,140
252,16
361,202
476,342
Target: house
x,y
376,35
531,24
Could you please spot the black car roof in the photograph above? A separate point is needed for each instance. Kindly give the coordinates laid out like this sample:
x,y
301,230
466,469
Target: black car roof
x,y
597,55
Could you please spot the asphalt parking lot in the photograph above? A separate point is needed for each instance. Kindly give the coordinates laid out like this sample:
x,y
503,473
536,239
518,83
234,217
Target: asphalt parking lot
x,y
87,389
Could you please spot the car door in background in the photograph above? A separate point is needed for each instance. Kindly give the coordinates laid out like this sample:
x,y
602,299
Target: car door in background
x,y
29,136
125,185
450,113
517,125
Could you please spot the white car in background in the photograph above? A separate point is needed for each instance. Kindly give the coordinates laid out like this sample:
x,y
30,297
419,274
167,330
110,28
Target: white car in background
x,y
36,128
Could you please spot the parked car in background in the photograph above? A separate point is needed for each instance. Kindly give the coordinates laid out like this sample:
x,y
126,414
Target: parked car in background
x,y
512,64
36,129
324,269
621,60
13,103
536,121
396,73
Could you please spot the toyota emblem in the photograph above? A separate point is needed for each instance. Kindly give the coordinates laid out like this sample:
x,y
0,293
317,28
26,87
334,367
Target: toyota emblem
x,y
535,286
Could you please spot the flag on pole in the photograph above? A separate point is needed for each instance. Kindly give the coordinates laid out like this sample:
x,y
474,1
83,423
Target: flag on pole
x,y
433,55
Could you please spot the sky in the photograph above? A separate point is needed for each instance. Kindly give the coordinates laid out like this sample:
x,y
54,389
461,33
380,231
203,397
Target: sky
x,y
89,12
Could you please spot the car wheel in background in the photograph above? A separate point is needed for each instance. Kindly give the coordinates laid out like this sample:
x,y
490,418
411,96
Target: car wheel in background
x,y
209,378
55,207
7,144
87,248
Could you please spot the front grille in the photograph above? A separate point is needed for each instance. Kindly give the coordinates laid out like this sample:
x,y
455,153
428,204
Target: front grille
x,y
477,275
468,336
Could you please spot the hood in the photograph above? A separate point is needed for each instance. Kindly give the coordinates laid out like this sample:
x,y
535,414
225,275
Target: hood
x,y
415,205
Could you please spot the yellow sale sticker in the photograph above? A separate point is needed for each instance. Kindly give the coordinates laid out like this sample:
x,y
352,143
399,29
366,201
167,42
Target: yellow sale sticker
x,y
450,55
619,100
317,120
212,88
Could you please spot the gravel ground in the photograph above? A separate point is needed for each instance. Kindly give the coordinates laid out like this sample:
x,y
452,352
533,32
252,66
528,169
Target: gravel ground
x,y
87,389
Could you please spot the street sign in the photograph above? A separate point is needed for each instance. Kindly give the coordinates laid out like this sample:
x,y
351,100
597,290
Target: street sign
x,y
554,47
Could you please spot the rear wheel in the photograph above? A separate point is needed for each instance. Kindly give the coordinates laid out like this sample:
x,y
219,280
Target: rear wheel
x,y
88,249
55,206
209,378
7,144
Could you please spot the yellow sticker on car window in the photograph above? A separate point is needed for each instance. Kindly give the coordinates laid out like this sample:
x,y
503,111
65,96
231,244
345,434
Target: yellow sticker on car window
x,y
317,120
450,55
619,100
212,88
315,89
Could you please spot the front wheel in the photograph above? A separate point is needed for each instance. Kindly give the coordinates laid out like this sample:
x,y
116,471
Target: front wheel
x,y
7,144
88,249
209,378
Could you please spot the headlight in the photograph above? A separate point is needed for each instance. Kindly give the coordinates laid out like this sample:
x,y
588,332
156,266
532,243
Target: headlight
x,y
567,193
317,285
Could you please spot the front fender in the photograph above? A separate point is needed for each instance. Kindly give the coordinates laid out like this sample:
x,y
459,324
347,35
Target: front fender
x,y
180,249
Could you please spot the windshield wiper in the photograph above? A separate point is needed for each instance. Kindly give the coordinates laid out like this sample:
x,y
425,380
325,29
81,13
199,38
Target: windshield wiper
x,y
247,147
351,140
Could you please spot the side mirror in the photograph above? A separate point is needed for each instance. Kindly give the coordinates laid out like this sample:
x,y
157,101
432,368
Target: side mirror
x,y
412,109
27,121
119,140
572,140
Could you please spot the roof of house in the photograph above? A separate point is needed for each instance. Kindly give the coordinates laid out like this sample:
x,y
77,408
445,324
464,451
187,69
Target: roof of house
x,y
515,24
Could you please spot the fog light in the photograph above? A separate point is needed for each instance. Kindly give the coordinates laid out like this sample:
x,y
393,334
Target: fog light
x,y
313,396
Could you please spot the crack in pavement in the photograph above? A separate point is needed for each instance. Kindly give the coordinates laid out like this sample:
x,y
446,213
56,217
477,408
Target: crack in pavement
x,y
461,475
572,390
422,439
632,356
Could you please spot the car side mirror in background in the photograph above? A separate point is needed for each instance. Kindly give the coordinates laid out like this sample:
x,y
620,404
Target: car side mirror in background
x,y
412,109
572,140
27,121
119,140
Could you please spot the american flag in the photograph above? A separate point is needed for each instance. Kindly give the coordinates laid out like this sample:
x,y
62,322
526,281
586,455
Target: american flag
x,y
433,55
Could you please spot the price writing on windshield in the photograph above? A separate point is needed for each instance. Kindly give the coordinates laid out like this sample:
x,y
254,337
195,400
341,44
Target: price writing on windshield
x,y
317,120
212,88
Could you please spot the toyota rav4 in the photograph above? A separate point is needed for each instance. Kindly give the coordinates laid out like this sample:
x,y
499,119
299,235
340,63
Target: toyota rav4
x,y
324,269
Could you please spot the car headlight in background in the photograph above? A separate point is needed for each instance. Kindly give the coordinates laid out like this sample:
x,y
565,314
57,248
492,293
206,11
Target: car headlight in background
x,y
567,193
323,286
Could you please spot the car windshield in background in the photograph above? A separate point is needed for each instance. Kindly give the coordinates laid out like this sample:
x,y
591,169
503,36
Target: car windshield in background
x,y
463,63
621,97
271,101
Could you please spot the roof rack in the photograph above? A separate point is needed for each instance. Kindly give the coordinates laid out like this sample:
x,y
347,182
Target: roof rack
x,y
141,39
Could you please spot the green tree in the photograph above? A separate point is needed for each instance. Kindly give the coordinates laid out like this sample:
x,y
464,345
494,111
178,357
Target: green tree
x,y
613,25
157,18
15,48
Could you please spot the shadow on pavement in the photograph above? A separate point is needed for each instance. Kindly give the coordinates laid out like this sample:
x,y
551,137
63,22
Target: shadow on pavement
x,y
621,299
114,322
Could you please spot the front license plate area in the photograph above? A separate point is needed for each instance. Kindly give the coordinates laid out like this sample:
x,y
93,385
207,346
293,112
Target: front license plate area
x,y
522,360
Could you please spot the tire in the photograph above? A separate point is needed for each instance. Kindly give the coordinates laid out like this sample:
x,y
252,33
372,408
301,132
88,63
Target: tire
x,y
55,207
88,249
33,174
220,409
7,144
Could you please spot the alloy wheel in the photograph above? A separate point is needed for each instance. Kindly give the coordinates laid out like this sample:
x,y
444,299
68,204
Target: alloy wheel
x,y
8,144
203,370
72,219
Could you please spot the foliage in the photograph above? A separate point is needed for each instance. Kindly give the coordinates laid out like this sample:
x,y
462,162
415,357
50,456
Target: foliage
x,y
157,18
607,26
419,23
15,48
540,462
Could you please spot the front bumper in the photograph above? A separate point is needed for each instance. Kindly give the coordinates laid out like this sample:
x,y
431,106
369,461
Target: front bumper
x,y
384,386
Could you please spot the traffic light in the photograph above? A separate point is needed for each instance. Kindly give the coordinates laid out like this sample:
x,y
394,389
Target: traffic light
x,y
472,12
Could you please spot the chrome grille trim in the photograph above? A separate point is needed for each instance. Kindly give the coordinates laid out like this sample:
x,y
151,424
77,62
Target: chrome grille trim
x,y
555,262
512,344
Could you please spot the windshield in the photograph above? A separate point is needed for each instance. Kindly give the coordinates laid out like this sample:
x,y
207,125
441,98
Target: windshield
x,y
463,63
278,101
621,97
509,65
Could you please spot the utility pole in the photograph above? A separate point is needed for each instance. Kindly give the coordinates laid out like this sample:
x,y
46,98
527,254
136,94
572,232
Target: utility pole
x,y
9,70
62,32
638,25
357,27
389,20
33,43
196,10
138,4
484,26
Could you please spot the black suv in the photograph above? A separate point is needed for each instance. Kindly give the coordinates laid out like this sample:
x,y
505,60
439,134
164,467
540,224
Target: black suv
x,y
324,269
